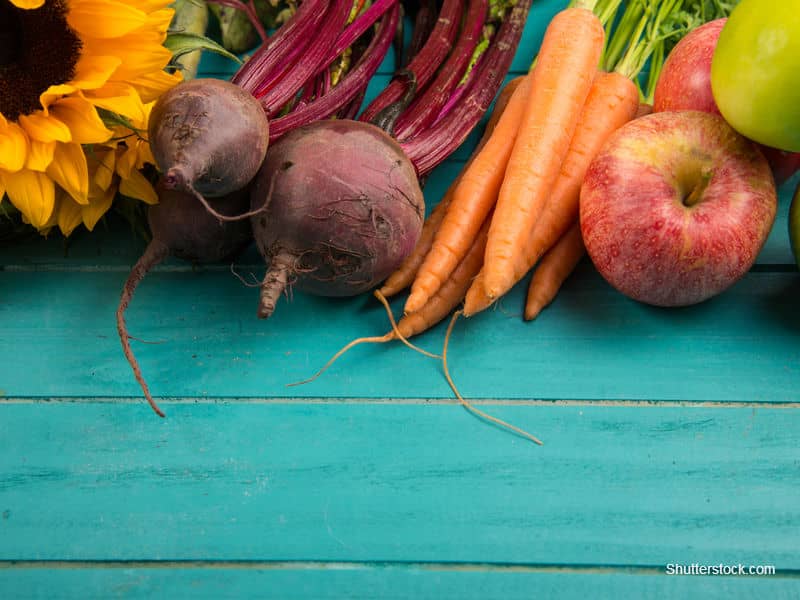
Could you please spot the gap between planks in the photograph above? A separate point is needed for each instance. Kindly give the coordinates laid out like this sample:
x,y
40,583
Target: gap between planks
x,y
576,569
408,401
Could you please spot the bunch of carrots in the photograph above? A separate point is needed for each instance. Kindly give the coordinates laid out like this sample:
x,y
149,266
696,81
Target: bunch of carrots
x,y
514,205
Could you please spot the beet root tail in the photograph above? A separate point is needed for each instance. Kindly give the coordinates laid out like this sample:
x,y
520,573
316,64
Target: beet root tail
x,y
274,284
154,253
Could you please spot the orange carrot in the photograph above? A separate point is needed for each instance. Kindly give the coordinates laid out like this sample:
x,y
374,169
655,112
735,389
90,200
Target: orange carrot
x,y
435,310
556,265
407,271
566,66
473,198
612,101
404,275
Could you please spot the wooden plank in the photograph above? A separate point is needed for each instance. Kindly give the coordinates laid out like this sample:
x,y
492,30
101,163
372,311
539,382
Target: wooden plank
x,y
592,343
613,485
370,581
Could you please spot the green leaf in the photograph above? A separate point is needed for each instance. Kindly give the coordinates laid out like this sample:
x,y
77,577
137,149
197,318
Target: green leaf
x,y
180,43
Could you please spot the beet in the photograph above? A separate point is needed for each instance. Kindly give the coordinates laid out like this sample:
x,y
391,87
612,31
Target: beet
x,y
342,207
208,137
183,228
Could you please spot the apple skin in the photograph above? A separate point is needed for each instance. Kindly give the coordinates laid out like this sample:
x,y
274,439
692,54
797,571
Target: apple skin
x,y
794,224
685,79
636,225
685,84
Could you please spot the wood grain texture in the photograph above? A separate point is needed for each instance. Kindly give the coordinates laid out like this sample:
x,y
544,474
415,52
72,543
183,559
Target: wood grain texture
x,y
592,343
370,581
671,436
387,482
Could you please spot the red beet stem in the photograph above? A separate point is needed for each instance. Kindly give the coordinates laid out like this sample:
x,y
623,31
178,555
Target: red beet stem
x,y
431,146
424,22
358,27
426,62
155,252
426,107
313,58
353,83
265,68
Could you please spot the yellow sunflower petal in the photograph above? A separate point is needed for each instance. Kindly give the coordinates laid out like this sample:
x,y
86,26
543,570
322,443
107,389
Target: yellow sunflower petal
x,y
69,170
82,119
93,72
104,170
120,98
99,203
33,194
137,186
141,53
45,128
40,154
13,147
144,154
104,18
126,161
27,4
151,85
160,20
53,93
2,188
148,6
69,215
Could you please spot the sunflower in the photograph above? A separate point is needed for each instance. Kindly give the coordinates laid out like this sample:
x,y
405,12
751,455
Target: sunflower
x,y
77,79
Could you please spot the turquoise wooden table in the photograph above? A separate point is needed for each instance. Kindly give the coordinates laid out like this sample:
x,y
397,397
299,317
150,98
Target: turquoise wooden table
x,y
670,436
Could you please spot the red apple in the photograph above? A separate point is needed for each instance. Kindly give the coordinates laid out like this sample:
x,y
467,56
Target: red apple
x,y
685,79
685,84
676,207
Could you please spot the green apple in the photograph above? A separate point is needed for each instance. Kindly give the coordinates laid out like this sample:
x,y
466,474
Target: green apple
x,y
794,224
755,69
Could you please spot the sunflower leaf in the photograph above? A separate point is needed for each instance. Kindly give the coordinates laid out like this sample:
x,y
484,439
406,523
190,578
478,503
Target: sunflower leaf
x,y
184,43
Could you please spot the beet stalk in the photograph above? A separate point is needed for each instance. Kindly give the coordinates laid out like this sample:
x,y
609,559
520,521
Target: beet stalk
x,y
425,19
351,86
426,62
266,65
430,147
426,107
313,58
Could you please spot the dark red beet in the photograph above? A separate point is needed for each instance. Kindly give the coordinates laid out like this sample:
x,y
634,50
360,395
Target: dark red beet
x,y
208,137
183,228
343,209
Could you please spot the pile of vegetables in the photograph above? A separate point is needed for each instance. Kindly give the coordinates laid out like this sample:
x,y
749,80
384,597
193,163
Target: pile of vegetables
x,y
333,187
337,204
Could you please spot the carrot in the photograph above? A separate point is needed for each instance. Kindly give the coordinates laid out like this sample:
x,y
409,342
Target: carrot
x,y
566,66
473,198
612,101
556,265
404,275
407,271
435,310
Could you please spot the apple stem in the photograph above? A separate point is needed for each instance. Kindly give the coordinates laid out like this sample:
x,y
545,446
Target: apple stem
x,y
697,192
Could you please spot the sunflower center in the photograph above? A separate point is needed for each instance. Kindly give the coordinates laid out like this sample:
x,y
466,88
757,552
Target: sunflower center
x,y
37,49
